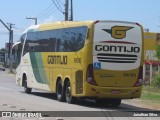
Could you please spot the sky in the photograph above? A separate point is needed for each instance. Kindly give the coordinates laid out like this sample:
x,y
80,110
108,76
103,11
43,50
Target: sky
x,y
145,12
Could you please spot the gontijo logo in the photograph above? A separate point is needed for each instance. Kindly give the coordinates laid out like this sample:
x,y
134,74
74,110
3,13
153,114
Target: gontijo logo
x,y
118,32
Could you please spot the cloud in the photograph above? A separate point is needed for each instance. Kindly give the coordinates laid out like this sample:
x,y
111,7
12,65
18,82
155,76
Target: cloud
x,y
48,20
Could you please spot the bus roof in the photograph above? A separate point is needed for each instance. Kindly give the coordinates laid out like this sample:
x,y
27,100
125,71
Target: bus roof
x,y
58,24
31,28
65,24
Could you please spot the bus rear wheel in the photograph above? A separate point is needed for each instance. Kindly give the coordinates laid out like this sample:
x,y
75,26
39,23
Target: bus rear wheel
x,y
69,98
26,89
115,102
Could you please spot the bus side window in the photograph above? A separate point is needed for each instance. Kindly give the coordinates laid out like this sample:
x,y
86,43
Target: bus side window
x,y
52,41
30,44
18,52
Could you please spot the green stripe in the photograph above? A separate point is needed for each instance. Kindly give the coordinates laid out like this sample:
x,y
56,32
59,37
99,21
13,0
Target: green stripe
x,y
38,68
41,68
35,67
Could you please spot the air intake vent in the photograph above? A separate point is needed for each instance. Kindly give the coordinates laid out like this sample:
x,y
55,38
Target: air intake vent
x,y
116,58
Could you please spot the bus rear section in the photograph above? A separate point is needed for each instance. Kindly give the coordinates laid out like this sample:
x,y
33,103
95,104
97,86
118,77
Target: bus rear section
x,y
116,71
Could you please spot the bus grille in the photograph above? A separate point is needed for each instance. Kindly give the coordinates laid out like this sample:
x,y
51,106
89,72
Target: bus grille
x,y
116,58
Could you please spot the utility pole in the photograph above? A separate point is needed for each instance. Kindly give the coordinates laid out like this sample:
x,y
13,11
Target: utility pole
x,y
71,11
10,44
10,37
10,41
33,18
66,10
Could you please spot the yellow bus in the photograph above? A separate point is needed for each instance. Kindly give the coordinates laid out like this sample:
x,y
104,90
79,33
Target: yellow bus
x,y
99,60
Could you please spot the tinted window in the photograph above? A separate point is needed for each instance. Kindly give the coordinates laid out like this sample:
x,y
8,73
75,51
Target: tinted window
x,y
54,38
72,39
42,41
19,50
60,40
30,43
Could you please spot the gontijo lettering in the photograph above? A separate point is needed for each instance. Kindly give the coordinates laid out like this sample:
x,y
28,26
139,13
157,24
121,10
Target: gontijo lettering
x,y
111,48
57,59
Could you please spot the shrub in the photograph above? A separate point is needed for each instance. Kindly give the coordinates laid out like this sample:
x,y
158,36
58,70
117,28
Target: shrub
x,y
156,81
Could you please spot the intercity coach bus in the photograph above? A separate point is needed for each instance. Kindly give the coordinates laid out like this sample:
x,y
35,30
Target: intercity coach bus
x,y
99,60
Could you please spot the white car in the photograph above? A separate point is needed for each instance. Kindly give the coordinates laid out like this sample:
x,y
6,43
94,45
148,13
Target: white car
x,y
2,66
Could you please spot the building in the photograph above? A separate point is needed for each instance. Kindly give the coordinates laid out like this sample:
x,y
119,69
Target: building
x,y
151,61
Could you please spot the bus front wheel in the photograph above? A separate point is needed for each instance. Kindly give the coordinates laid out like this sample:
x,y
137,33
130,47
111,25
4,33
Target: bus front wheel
x,y
26,89
59,91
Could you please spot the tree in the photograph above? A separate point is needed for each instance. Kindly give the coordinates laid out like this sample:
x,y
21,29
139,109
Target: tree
x,y
158,51
3,50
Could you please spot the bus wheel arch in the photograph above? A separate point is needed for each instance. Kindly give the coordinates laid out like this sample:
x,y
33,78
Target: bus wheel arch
x,y
59,90
68,95
24,84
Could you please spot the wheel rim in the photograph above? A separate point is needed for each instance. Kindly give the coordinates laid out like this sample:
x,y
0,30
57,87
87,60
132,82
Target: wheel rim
x,y
68,92
59,90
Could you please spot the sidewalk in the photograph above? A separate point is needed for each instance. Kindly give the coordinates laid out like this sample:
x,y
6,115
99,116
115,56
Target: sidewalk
x,y
8,74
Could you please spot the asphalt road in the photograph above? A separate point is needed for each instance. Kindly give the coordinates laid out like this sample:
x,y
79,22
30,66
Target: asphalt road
x,y
12,98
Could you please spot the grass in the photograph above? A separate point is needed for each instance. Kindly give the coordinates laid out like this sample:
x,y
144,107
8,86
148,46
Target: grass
x,y
150,98
150,93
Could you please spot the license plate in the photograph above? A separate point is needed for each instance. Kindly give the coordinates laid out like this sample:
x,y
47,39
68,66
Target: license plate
x,y
115,91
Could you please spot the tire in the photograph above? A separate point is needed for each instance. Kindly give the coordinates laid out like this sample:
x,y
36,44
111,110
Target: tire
x,y
59,91
101,101
115,102
26,89
68,95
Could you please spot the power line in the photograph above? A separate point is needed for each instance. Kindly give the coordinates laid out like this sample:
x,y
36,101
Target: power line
x,y
59,4
49,13
26,23
45,10
57,7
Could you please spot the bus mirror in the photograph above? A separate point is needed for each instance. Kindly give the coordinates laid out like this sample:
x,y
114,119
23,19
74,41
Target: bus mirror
x,y
15,47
